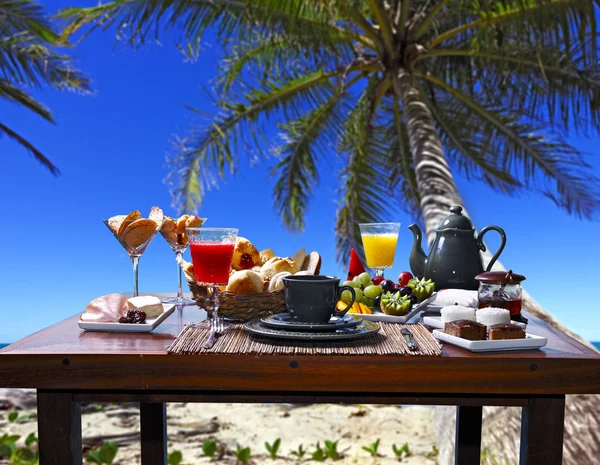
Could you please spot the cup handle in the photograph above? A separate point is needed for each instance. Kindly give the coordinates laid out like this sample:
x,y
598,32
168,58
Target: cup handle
x,y
353,292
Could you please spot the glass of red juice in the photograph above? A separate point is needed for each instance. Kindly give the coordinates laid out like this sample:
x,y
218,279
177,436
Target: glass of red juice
x,y
212,252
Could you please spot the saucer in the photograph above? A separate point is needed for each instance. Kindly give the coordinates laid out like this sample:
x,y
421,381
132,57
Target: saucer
x,y
365,328
286,322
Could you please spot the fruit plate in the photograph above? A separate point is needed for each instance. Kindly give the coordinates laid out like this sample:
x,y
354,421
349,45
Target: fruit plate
x,y
150,325
436,322
380,316
531,341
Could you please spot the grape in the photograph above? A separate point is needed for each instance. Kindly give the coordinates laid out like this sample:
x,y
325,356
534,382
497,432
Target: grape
x,y
349,283
387,285
359,294
356,281
377,301
364,278
371,283
346,296
368,302
372,291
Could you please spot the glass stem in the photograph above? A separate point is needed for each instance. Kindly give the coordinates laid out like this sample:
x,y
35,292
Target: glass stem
x,y
379,271
212,301
135,259
179,280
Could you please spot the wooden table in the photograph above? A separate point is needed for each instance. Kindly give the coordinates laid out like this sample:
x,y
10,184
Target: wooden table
x,y
68,366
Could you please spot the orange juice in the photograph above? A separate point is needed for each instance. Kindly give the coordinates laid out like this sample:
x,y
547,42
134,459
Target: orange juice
x,y
380,249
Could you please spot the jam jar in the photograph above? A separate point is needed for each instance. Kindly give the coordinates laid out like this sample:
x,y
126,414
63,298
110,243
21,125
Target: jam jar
x,y
501,289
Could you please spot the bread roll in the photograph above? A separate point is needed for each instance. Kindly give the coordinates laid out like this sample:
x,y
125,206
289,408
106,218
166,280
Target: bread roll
x,y
277,265
245,282
265,256
276,283
245,255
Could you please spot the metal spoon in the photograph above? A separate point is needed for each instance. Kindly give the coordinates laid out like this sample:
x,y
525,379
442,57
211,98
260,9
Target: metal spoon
x,y
409,339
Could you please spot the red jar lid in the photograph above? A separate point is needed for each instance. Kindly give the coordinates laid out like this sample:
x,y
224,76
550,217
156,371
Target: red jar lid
x,y
500,277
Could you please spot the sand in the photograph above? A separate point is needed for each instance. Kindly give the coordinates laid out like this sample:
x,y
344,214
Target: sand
x,y
251,425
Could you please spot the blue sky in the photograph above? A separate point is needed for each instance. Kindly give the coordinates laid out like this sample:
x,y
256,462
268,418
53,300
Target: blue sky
x,y
56,255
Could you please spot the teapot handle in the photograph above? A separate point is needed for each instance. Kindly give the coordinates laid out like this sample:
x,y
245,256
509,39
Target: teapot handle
x,y
481,245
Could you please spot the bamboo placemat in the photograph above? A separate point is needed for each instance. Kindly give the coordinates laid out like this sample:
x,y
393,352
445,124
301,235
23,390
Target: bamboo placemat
x,y
236,340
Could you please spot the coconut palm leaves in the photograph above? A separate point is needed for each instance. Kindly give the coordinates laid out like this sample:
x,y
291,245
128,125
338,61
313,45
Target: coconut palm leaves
x,y
392,92
29,58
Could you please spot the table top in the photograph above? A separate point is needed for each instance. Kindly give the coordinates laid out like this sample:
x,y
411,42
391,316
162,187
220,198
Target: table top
x,y
64,357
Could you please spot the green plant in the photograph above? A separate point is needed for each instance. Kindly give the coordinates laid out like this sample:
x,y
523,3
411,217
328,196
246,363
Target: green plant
x,y
242,454
319,454
103,455
19,455
12,416
373,448
403,451
299,452
331,450
175,457
272,449
209,447
433,453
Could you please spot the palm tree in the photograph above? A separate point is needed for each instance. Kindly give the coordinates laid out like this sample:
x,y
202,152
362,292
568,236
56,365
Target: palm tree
x,y
29,58
400,93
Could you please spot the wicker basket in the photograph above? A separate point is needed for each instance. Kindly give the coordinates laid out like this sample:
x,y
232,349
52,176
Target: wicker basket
x,y
242,306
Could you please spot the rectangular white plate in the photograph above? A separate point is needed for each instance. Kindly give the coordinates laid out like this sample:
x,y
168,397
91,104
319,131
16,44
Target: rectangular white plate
x,y
150,325
436,322
531,341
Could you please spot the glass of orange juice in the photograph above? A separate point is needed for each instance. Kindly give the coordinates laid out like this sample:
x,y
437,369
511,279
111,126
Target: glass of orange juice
x,y
379,242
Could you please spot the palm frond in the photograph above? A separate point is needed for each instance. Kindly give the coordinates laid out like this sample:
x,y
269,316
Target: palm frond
x,y
299,21
306,141
24,16
39,156
15,95
365,195
550,164
205,155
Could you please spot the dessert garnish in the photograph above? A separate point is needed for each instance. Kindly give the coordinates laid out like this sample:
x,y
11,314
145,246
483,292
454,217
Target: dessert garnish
x,y
457,312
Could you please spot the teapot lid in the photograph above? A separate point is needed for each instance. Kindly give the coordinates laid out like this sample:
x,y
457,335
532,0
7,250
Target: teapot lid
x,y
455,220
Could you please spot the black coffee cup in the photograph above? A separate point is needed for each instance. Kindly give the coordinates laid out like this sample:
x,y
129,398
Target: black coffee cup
x,y
313,298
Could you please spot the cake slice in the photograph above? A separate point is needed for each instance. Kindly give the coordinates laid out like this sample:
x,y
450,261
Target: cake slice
x,y
148,304
506,331
466,329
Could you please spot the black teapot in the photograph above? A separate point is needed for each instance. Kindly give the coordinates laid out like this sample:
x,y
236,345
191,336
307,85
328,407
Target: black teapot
x,y
454,259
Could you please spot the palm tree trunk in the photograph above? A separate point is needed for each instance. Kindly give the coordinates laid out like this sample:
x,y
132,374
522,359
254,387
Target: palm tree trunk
x,y
434,179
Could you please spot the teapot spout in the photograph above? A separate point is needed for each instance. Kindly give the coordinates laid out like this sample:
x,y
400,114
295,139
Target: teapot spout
x,y
417,256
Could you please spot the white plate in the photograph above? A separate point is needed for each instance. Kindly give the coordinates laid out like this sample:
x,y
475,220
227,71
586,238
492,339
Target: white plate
x,y
436,322
531,341
150,325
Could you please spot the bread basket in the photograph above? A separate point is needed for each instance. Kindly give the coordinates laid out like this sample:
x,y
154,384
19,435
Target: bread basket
x,y
242,306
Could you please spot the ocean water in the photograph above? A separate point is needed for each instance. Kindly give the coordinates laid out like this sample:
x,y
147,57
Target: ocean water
x,y
596,345
3,345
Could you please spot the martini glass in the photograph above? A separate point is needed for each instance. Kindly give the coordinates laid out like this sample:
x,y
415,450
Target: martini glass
x,y
135,239
179,243
379,242
212,252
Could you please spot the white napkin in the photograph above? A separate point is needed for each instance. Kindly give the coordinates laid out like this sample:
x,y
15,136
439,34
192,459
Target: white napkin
x,y
455,296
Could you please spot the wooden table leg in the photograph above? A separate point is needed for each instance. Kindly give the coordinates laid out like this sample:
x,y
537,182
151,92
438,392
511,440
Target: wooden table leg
x,y
153,427
59,428
542,430
467,448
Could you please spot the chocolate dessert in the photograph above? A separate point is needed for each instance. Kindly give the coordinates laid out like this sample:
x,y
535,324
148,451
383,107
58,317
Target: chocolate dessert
x,y
506,331
466,329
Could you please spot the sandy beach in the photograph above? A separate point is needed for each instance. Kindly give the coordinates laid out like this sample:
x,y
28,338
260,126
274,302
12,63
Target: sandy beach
x,y
189,425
